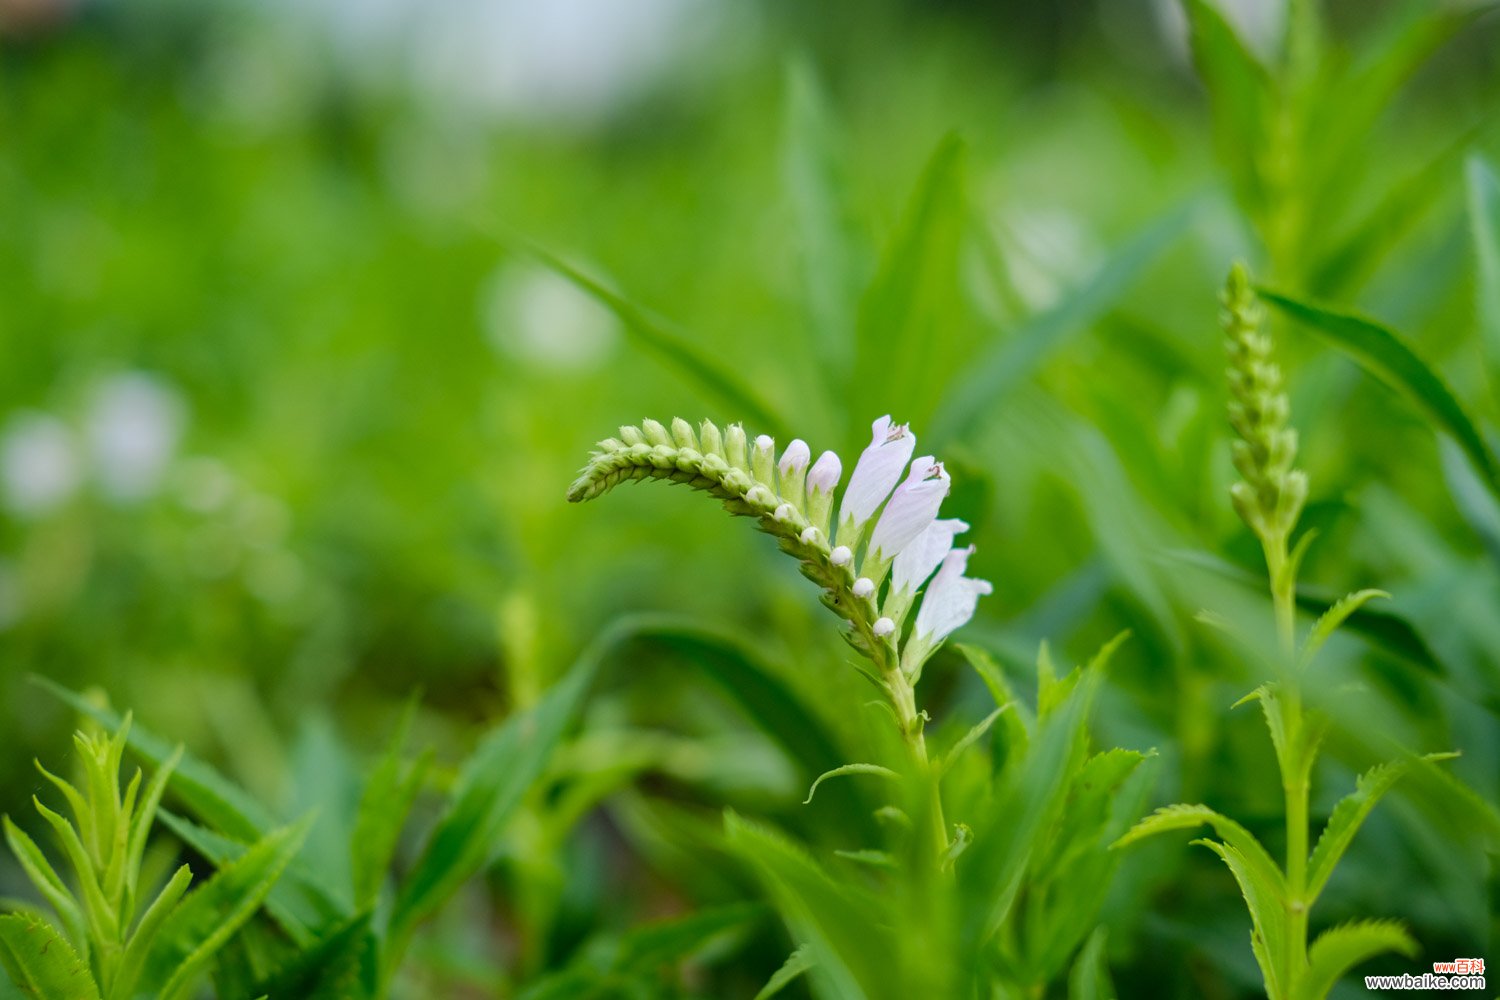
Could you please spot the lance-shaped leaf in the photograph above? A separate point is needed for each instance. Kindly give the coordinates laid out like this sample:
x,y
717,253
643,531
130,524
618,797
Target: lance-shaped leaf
x,y
210,915
1326,625
796,964
1265,898
491,786
1339,949
1387,356
1188,817
41,963
37,868
852,949
389,794
1345,820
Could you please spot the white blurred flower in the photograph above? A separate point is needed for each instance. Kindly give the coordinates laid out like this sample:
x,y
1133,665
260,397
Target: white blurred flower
x,y
538,316
39,464
133,425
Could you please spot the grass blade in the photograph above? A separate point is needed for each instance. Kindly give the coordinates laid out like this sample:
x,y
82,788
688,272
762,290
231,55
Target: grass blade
x,y
1008,362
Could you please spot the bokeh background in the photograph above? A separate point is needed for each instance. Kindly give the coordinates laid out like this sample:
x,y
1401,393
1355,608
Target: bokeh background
x,y
290,393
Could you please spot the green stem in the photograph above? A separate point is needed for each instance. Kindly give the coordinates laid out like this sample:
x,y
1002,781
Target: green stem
x,y
1297,765
903,700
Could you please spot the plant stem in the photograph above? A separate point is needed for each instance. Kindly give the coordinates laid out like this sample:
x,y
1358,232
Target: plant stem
x,y
1296,767
903,700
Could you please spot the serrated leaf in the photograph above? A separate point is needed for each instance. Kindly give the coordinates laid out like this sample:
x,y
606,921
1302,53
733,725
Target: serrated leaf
x,y
1339,949
1265,898
211,914
41,963
847,769
1005,363
797,963
298,903
1347,816
1328,623
37,868
490,788
1270,706
211,797
1387,356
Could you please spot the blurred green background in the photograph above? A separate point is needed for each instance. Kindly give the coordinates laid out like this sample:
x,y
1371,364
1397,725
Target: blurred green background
x,y
289,399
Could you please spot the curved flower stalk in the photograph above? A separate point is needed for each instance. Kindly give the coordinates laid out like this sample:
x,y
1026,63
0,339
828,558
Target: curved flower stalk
x,y
888,543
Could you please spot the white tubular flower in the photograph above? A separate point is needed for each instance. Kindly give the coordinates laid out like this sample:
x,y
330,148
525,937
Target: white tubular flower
x,y
915,563
792,470
913,507
763,461
951,599
822,480
875,474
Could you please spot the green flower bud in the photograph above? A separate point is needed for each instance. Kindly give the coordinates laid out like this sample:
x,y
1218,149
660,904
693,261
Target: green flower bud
x,y
656,433
632,435
734,447
682,434
713,442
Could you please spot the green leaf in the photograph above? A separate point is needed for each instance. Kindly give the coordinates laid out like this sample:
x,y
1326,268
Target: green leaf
x,y
827,253
1089,978
490,788
340,966
852,949
146,930
985,381
389,794
1326,625
210,915
210,796
844,769
908,330
1188,817
1347,816
974,735
298,903
1392,360
1339,949
670,346
37,868
1239,90
797,963
1265,898
41,963
1270,706
1484,224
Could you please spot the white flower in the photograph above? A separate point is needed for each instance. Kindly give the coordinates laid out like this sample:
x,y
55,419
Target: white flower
x,y
884,627
864,587
924,554
951,599
809,535
912,508
841,556
39,464
784,512
133,426
825,473
876,473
